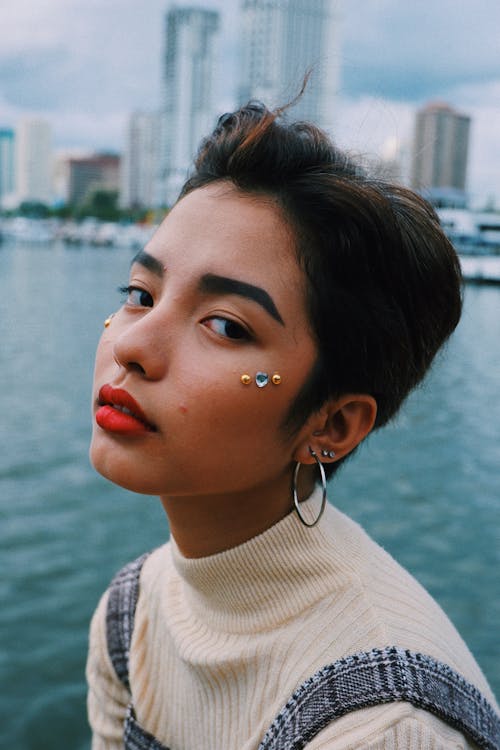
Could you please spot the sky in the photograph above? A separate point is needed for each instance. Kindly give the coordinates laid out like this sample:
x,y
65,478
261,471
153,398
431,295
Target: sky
x,y
86,64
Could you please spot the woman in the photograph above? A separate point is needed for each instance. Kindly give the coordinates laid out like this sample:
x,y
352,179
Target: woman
x,y
285,308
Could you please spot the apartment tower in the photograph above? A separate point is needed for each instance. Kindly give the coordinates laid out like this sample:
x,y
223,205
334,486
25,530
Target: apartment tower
x,y
189,71
440,148
34,161
141,162
280,41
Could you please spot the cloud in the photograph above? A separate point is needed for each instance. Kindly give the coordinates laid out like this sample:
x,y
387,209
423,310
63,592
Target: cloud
x,y
73,54
34,81
73,130
412,51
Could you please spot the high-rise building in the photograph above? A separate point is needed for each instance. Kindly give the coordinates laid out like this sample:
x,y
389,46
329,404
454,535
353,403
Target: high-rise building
x,y
141,162
440,149
61,173
7,159
34,161
91,173
280,41
188,110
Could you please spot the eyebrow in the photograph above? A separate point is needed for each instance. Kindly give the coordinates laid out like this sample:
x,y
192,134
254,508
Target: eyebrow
x,y
149,262
211,283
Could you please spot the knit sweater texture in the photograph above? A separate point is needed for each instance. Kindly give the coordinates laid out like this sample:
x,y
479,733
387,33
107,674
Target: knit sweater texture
x,y
221,643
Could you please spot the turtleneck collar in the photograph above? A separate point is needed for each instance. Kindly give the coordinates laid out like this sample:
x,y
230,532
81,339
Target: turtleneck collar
x,y
277,574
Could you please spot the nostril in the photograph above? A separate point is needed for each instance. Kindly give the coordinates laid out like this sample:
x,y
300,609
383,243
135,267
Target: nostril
x,y
134,354
136,367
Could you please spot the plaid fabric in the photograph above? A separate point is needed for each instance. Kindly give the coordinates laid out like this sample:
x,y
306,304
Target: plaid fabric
x,y
120,614
383,676
365,679
135,737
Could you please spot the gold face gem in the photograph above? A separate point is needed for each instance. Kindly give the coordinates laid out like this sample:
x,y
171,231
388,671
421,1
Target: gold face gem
x,y
246,379
276,378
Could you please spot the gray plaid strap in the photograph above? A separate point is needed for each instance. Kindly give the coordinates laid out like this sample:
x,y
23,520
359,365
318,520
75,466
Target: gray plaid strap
x,y
136,738
383,676
123,595
120,615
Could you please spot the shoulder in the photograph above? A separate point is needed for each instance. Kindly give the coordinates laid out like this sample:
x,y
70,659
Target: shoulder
x,y
398,726
331,700
402,612
119,601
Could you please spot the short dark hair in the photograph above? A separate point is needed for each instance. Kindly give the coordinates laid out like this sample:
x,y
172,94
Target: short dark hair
x,y
384,286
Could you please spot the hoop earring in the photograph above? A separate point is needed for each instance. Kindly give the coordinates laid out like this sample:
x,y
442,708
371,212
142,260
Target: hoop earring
x,y
296,497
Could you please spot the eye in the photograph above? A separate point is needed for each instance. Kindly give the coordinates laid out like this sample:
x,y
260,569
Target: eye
x,y
227,328
136,297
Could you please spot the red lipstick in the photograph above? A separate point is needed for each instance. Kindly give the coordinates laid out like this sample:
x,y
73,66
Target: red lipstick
x,y
118,412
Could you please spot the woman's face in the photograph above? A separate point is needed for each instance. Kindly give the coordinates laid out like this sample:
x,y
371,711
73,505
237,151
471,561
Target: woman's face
x,y
216,294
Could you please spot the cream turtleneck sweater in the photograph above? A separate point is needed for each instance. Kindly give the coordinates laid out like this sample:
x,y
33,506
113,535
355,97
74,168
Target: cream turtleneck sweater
x,y
220,643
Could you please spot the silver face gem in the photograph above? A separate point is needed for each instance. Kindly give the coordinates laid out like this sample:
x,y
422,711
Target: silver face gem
x,y
262,379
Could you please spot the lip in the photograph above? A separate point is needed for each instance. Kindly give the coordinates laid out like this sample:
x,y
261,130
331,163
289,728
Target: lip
x,y
120,413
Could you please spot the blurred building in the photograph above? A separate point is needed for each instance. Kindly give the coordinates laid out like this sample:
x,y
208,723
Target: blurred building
x,y
188,109
440,150
141,162
34,161
280,41
61,172
91,173
7,161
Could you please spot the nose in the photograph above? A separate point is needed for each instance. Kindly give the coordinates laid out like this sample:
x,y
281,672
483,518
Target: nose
x,y
139,347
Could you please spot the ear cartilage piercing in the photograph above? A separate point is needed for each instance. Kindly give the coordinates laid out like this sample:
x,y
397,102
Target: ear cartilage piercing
x,y
328,454
108,320
246,379
276,378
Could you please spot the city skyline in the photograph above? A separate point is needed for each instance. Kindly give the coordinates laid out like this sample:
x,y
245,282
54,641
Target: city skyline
x,y
85,68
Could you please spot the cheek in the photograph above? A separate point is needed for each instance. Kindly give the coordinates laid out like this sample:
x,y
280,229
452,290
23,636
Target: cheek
x,y
104,355
232,411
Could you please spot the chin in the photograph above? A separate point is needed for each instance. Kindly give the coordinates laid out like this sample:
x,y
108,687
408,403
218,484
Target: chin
x,y
118,469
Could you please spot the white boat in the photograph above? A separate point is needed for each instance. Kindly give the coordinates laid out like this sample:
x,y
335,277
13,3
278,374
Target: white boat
x,y
481,269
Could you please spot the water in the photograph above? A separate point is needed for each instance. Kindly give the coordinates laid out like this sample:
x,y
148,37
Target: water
x,y
427,487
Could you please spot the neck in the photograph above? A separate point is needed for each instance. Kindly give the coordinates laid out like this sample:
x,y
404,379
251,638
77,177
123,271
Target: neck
x,y
207,524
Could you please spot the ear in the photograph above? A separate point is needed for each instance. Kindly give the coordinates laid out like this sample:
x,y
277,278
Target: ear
x,y
338,427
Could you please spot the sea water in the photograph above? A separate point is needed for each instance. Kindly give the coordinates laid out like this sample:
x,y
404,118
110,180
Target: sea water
x,y
427,487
